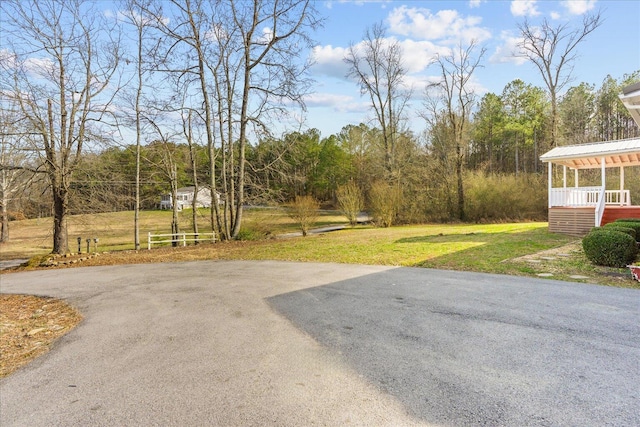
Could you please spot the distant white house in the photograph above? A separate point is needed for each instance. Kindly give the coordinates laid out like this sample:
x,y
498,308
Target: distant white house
x,y
184,198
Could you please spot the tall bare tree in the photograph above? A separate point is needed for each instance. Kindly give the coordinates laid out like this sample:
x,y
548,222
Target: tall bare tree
x,y
273,37
134,15
16,167
450,101
188,132
64,58
245,59
552,49
376,63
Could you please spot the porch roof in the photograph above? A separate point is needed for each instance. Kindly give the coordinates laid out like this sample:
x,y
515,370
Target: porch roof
x,y
630,97
625,152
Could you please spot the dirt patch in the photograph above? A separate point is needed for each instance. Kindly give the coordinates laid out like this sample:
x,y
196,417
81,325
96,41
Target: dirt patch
x,y
29,325
559,252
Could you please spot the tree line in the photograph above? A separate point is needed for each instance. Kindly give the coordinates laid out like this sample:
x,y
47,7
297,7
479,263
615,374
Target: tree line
x,y
195,89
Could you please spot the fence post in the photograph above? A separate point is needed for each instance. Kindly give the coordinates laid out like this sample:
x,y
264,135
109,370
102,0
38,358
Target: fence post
x,y
149,241
184,239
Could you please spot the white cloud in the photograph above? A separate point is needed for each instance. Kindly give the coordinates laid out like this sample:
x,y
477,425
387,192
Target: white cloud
x,y
417,55
578,7
8,59
40,67
336,102
266,37
524,8
328,60
419,83
36,67
447,26
475,3
555,15
507,51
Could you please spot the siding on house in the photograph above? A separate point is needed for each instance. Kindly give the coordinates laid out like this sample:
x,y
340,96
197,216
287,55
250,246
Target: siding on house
x,y
185,197
572,221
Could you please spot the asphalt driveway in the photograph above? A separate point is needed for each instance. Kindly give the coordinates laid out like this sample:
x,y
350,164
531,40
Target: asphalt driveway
x,y
288,344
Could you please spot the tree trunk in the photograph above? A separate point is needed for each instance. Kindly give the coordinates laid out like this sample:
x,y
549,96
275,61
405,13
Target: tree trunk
x,y
136,215
461,214
4,232
175,221
60,232
196,187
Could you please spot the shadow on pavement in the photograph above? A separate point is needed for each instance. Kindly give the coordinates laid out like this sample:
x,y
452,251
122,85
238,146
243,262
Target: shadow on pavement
x,y
471,349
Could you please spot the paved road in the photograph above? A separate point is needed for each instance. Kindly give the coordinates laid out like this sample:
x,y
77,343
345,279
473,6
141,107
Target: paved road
x,y
286,344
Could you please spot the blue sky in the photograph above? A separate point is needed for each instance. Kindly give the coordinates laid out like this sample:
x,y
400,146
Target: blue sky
x,y
424,28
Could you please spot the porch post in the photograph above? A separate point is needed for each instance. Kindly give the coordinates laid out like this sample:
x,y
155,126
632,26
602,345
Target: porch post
x,y
564,176
602,168
622,201
549,173
575,177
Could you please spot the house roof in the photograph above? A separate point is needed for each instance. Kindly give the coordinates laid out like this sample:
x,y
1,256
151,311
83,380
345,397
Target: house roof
x,y
182,190
631,99
625,152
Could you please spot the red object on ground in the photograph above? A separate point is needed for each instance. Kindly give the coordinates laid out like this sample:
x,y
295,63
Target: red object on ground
x,y
635,271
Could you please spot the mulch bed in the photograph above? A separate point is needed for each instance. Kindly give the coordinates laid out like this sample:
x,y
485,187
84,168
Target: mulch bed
x,y
28,327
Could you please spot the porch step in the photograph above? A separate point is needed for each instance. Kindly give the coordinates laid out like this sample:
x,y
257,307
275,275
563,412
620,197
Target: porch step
x,y
612,213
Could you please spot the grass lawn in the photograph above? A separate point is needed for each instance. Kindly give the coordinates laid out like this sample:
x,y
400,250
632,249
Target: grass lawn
x,y
491,248
114,230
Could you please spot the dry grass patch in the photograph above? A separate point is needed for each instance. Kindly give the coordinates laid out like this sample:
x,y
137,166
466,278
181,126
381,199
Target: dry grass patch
x,y
29,326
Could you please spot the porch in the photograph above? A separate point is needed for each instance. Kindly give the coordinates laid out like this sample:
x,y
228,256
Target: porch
x,y
575,210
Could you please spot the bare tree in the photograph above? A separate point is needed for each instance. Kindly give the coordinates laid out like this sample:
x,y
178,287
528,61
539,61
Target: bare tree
x,y
377,65
304,210
351,201
187,130
451,100
164,155
61,72
16,168
245,58
134,15
552,49
270,72
384,200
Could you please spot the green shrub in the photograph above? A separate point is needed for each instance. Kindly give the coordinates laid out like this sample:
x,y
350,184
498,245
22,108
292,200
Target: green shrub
x,y
629,224
627,220
610,248
615,226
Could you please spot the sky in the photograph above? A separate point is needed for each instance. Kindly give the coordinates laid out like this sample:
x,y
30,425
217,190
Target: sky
x,y
424,28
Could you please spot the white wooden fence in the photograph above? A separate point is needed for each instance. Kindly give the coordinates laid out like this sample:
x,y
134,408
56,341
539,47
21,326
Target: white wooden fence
x,y
179,238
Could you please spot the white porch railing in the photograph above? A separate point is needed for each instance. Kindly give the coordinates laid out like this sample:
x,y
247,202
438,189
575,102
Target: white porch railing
x,y
587,196
618,197
602,198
